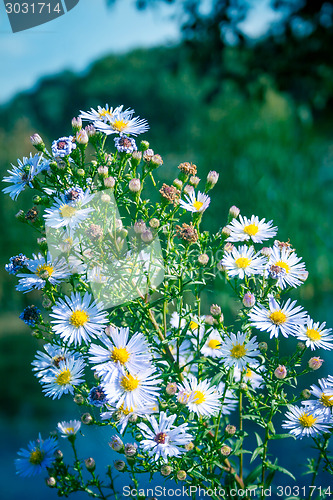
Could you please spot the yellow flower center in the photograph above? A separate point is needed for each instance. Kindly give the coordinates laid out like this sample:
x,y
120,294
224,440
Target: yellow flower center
x,y
129,383
69,430
278,317
78,318
103,112
64,377
44,271
283,265
120,354
326,400
312,334
214,344
307,420
242,262
193,325
36,457
238,351
126,410
119,125
251,229
66,211
199,397
248,373
197,205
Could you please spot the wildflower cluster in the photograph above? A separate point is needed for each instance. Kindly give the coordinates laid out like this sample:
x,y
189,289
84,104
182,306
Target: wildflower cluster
x,y
121,279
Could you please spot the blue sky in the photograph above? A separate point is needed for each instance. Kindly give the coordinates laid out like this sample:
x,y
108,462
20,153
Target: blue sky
x,y
88,32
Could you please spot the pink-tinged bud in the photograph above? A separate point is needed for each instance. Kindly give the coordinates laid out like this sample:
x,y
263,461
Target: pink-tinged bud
x,y
215,310
90,464
130,449
234,211
147,236
226,231
36,140
228,247
116,443
156,161
266,251
194,180
188,189
76,124
139,227
154,223
148,155
181,475
82,137
87,419
225,450
134,185
230,430
178,183
91,131
109,182
166,470
212,179
315,363
51,482
78,399
249,299
171,388
103,171
119,465
209,320
203,259
280,372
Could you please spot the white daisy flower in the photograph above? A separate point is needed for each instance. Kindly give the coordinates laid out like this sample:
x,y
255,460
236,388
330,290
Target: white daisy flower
x,y
250,376
70,214
304,422
104,114
118,351
61,380
243,261
45,362
23,174
195,203
69,429
163,439
230,401
45,270
315,336
245,229
285,319
212,345
133,390
237,351
199,397
286,267
77,319
123,122
126,414
324,401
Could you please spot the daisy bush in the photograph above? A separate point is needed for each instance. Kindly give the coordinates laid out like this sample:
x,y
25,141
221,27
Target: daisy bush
x,y
121,265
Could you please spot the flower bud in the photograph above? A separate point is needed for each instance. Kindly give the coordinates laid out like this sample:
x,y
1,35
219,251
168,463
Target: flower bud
x,y
188,189
87,419
109,182
154,223
215,310
315,363
78,399
91,131
136,158
212,179
133,418
76,124
156,161
306,394
144,145
82,137
171,388
225,450
262,346
51,482
220,266
280,372
189,446
194,180
234,212
226,231
243,387
147,236
58,454
230,430
147,155
119,465
249,299
105,198
116,443
37,141
139,227
228,247
130,449
166,470
266,251
134,185
20,216
103,171
177,183
300,346
47,303
80,172
203,259
90,464
209,320
181,475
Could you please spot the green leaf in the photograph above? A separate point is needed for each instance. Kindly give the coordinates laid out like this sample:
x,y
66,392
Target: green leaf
x,y
282,436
